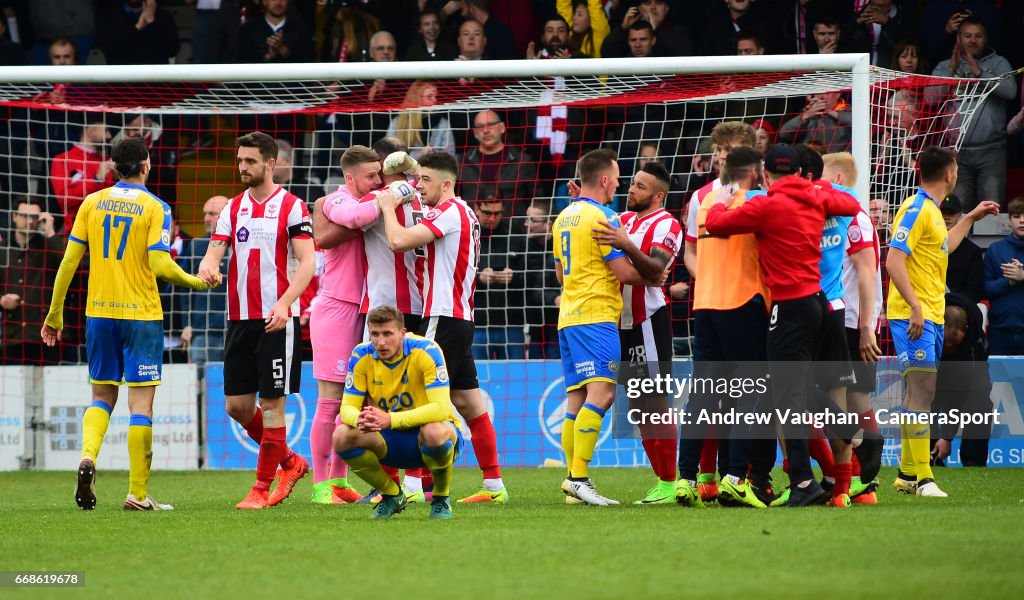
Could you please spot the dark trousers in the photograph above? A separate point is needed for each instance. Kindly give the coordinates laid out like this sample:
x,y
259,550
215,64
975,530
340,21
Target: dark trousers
x,y
721,339
795,331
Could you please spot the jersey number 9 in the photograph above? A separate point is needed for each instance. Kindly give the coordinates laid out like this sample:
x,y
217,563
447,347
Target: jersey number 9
x,y
108,226
566,257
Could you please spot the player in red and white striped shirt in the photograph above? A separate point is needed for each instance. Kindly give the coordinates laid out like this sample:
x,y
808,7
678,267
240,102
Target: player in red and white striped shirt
x,y
272,263
394,278
650,236
451,233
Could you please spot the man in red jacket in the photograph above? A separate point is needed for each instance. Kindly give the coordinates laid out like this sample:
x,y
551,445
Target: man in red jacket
x,y
82,169
788,224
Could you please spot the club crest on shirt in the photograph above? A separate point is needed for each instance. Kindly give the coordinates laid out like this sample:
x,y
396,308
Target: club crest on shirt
x,y
670,243
243,235
272,211
433,214
854,234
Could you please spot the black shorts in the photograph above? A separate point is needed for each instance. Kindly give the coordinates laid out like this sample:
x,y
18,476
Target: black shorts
x,y
257,361
455,338
866,372
647,349
834,368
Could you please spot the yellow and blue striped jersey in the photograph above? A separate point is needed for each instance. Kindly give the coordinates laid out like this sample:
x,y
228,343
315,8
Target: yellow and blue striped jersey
x,y
413,387
120,225
590,291
919,231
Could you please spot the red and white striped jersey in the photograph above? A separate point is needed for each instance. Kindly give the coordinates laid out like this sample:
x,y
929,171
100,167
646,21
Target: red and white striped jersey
x,y
393,278
860,235
656,230
263,260
451,260
694,207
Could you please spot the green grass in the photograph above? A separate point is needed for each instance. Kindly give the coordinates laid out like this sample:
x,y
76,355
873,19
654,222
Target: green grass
x,y
535,547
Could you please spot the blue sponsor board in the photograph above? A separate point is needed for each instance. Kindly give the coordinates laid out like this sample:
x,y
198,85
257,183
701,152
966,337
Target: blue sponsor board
x,y
527,401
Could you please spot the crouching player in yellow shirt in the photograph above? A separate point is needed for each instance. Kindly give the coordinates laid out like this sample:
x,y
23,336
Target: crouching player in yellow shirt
x,y
397,411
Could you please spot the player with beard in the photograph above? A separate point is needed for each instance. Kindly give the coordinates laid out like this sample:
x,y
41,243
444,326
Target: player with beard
x,y
270,231
650,236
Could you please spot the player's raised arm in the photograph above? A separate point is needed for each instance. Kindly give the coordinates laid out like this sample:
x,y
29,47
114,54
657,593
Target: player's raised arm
x,y
401,238
326,233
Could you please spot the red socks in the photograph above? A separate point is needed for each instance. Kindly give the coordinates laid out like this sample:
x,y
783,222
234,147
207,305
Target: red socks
x,y
485,445
709,452
273,450
660,446
855,465
255,426
255,430
392,472
843,473
822,453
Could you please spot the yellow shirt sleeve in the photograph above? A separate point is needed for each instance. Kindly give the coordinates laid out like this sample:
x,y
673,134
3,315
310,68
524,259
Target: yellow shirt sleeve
x,y
355,389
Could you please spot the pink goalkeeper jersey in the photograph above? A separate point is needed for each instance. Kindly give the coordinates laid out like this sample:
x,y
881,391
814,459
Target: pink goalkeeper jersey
x,y
344,275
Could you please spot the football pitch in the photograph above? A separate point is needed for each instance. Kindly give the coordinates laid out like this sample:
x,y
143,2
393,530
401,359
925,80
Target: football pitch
x,y
534,547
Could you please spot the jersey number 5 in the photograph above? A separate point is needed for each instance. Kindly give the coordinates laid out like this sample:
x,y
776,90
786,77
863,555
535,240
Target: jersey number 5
x,y
566,258
108,226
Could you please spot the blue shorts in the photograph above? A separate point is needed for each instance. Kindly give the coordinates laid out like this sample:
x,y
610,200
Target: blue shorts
x,y
403,447
589,353
922,354
123,350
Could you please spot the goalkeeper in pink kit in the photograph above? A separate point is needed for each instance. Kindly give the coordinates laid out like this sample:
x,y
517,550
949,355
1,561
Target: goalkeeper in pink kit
x,y
336,325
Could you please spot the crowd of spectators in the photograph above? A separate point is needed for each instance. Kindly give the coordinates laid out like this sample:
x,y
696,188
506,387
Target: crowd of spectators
x,y
515,163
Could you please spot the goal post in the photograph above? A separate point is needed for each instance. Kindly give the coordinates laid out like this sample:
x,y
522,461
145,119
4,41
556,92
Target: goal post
x,y
549,110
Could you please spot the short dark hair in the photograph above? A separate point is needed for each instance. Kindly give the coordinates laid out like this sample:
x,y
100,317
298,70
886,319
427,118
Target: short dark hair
x,y
825,18
261,141
739,160
659,172
382,315
481,4
811,164
745,34
933,162
543,205
128,155
554,17
972,20
595,162
1016,206
387,145
28,200
439,160
641,24
357,155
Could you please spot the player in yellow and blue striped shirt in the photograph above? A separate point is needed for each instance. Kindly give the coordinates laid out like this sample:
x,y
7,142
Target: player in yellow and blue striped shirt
x,y
588,316
397,404
917,261
127,231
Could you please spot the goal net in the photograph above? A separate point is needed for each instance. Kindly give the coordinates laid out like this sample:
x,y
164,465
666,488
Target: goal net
x,y
517,128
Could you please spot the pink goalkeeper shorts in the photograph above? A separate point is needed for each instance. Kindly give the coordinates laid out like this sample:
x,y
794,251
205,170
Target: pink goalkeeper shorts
x,y
335,327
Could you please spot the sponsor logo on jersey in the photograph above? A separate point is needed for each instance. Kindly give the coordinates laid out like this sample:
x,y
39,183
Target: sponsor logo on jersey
x,y
350,380
243,235
165,237
902,234
442,374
